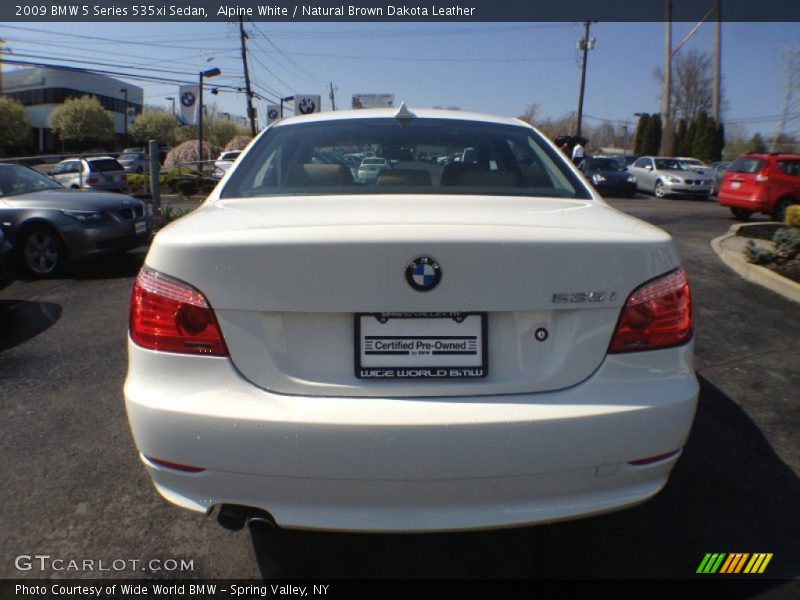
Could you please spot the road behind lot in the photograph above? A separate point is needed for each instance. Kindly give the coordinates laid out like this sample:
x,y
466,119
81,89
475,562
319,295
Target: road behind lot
x,y
72,486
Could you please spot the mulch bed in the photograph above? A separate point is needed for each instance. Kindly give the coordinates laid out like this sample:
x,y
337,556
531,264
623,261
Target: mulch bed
x,y
791,269
760,232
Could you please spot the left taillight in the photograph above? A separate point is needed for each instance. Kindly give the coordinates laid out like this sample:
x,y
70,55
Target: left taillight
x,y
171,316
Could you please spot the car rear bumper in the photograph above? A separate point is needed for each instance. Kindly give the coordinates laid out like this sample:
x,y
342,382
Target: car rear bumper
x,y
751,203
410,464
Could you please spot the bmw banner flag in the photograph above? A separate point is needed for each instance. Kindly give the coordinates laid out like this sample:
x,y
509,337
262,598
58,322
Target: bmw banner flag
x,y
189,95
306,105
273,113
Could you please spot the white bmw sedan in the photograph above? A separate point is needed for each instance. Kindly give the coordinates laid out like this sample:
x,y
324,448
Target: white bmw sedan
x,y
478,344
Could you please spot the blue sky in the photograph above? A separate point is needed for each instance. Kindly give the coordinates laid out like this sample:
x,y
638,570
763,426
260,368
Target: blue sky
x,y
496,68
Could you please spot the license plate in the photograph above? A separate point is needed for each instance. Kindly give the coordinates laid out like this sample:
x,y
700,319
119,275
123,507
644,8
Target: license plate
x,y
420,346
140,227
735,185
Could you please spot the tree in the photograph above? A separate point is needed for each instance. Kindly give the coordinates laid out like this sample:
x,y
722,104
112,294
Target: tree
x,y
531,113
756,144
15,126
692,84
648,136
681,147
154,124
222,131
639,136
83,122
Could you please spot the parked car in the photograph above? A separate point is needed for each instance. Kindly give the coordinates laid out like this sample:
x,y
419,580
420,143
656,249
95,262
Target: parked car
x,y
100,173
370,168
761,183
6,261
224,162
492,348
134,162
668,176
50,225
608,178
717,171
693,164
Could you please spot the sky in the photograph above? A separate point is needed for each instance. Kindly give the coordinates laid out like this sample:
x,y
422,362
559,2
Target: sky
x,y
495,68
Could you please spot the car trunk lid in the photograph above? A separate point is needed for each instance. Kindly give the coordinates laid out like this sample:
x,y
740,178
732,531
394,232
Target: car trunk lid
x,y
287,277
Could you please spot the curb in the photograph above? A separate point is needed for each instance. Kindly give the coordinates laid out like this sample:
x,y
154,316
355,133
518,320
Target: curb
x,y
753,273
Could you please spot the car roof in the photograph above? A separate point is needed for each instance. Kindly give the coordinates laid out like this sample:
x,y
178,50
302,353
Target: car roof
x,y
389,113
769,155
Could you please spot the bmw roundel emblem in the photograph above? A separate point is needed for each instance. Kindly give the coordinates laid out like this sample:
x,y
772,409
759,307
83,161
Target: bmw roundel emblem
x,y
187,99
423,273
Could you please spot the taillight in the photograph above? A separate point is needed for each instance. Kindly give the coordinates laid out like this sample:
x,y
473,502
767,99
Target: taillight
x,y
657,315
91,180
172,316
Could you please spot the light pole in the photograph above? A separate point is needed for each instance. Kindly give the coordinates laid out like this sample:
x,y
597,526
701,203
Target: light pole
x,y
125,114
173,104
203,74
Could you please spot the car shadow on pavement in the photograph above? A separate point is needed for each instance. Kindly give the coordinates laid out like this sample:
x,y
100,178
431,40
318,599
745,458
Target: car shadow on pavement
x,y
729,493
23,320
110,266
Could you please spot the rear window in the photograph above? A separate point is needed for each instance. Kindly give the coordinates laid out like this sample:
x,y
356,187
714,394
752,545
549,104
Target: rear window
x,y
105,164
747,165
425,156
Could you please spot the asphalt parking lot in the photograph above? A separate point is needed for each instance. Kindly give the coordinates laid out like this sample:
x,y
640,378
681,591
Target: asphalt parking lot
x,y
72,485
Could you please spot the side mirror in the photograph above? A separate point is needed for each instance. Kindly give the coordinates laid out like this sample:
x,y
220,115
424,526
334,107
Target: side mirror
x,y
649,167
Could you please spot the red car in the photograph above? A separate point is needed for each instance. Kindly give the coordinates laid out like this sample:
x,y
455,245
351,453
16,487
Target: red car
x,y
763,183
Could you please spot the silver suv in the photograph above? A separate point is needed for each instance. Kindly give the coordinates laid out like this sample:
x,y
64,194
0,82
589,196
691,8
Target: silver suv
x,y
99,173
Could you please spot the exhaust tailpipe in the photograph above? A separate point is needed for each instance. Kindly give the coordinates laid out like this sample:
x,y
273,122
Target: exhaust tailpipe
x,y
233,517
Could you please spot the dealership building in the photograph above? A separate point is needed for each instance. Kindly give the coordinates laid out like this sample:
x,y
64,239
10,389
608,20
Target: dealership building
x,y
40,90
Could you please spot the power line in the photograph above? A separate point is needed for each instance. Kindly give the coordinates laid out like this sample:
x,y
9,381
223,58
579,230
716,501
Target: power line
x,y
110,40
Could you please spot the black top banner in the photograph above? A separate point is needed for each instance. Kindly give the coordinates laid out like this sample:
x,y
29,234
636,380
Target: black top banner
x,y
398,10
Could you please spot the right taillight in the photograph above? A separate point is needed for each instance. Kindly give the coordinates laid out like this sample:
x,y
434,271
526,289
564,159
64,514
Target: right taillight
x,y
172,316
657,314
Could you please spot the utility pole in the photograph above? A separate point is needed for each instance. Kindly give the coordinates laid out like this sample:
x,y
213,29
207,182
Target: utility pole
x,y
792,80
715,100
2,41
583,44
332,97
248,91
667,135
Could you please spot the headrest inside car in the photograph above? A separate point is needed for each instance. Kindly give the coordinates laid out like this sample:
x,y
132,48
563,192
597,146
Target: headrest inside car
x,y
405,177
313,175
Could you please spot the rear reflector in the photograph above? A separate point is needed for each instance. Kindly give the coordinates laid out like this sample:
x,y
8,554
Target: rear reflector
x,y
172,465
653,459
657,315
172,316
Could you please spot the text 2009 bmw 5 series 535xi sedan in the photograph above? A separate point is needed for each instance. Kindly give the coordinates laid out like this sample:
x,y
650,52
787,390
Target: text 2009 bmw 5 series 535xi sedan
x,y
475,344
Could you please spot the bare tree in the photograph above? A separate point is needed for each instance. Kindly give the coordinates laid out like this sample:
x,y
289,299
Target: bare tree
x,y
692,84
531,113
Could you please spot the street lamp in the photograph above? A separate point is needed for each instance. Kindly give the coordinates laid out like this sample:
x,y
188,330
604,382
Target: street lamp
x,y
286,99
173,104
125,128
203,74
